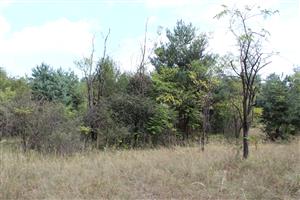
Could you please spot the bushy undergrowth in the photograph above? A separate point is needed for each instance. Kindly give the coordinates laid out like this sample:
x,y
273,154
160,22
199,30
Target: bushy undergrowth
x,y
42,126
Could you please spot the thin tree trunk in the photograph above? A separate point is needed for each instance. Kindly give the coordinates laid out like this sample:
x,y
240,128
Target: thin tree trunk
x,y
245,129
245,142
24,143
204,130
205,121
202,141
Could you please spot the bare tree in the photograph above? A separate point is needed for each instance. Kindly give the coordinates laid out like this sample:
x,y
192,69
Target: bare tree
x,y
100,66
142,65
92,72
86,65
251,57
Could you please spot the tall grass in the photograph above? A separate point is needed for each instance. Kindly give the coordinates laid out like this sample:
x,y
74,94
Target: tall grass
x,y
271,172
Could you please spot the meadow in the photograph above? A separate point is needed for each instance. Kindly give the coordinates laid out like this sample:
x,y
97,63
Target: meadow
x,y
271,172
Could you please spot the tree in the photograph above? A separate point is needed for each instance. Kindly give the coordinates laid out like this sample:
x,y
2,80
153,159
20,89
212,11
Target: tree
x,y
250,60
48,84
10,88
161,125
97,75
205,81
87,66
294,99
280,103
182,48
227,115
93,72
173,84
274,101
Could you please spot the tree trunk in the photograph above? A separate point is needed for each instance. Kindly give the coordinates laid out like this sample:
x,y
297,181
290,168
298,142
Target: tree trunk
x,y
24,142
202,140
85,141
246,125
245,142
183,125
204,129
98,141
206,123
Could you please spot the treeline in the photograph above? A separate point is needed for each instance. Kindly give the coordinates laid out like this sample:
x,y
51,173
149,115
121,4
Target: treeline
x,y
189,93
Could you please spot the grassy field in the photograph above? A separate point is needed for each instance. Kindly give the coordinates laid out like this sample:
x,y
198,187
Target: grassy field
x,y
271,172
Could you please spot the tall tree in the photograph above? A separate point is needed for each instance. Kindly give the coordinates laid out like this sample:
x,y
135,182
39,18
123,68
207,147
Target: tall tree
x,y
205,80
251,57
173,61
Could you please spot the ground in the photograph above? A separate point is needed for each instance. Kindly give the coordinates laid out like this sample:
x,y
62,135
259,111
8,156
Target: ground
x,y
271,172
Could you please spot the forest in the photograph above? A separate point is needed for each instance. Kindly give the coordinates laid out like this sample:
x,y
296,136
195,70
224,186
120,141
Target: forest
x,y
192,97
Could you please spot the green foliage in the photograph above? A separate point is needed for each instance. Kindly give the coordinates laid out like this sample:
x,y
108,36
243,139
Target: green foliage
x,y
162,121
280,102
181,74
44,127
55,85
106,77
187,94
294,100
182,48
140,84
23,111
133,111
103,127
11,87
122,82
85,130
226,117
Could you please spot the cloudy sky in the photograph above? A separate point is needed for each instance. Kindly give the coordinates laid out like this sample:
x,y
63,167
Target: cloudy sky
x,y
58,32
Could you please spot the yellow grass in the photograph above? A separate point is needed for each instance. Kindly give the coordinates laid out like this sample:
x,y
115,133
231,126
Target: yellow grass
x,y
271,172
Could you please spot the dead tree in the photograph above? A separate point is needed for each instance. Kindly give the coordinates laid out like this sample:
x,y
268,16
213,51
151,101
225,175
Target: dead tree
x,y
93,75
141,71
100,68
86,65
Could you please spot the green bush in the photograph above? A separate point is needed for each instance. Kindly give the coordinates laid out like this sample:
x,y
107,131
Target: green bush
x,y
44,127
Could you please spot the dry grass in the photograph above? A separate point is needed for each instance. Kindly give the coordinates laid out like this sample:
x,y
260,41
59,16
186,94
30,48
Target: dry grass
x,y
271,172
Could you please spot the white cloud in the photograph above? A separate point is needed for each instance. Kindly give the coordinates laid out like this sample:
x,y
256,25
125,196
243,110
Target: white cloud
x,y
4,27
61,41
128,56
5,3
57,36
56,42
152,20
169,3
284,36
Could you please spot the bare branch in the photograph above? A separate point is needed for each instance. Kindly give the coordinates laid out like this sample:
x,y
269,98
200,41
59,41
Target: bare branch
x,y
234,69
143,49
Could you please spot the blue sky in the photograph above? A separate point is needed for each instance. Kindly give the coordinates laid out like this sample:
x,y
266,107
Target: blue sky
x,y
60,32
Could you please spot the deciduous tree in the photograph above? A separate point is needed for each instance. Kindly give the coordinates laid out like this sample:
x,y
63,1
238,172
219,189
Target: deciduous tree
x,y
251,57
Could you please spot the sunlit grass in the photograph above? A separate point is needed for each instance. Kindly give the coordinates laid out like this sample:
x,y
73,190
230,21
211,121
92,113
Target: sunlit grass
x,y
271,172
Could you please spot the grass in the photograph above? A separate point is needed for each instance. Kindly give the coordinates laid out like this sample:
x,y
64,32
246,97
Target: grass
x,y
271,172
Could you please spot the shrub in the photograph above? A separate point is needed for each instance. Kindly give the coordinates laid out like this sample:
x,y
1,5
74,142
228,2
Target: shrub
x,y
104,129
43,126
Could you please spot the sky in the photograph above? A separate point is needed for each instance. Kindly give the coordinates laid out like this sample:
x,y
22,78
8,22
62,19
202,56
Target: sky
x,y
59,32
